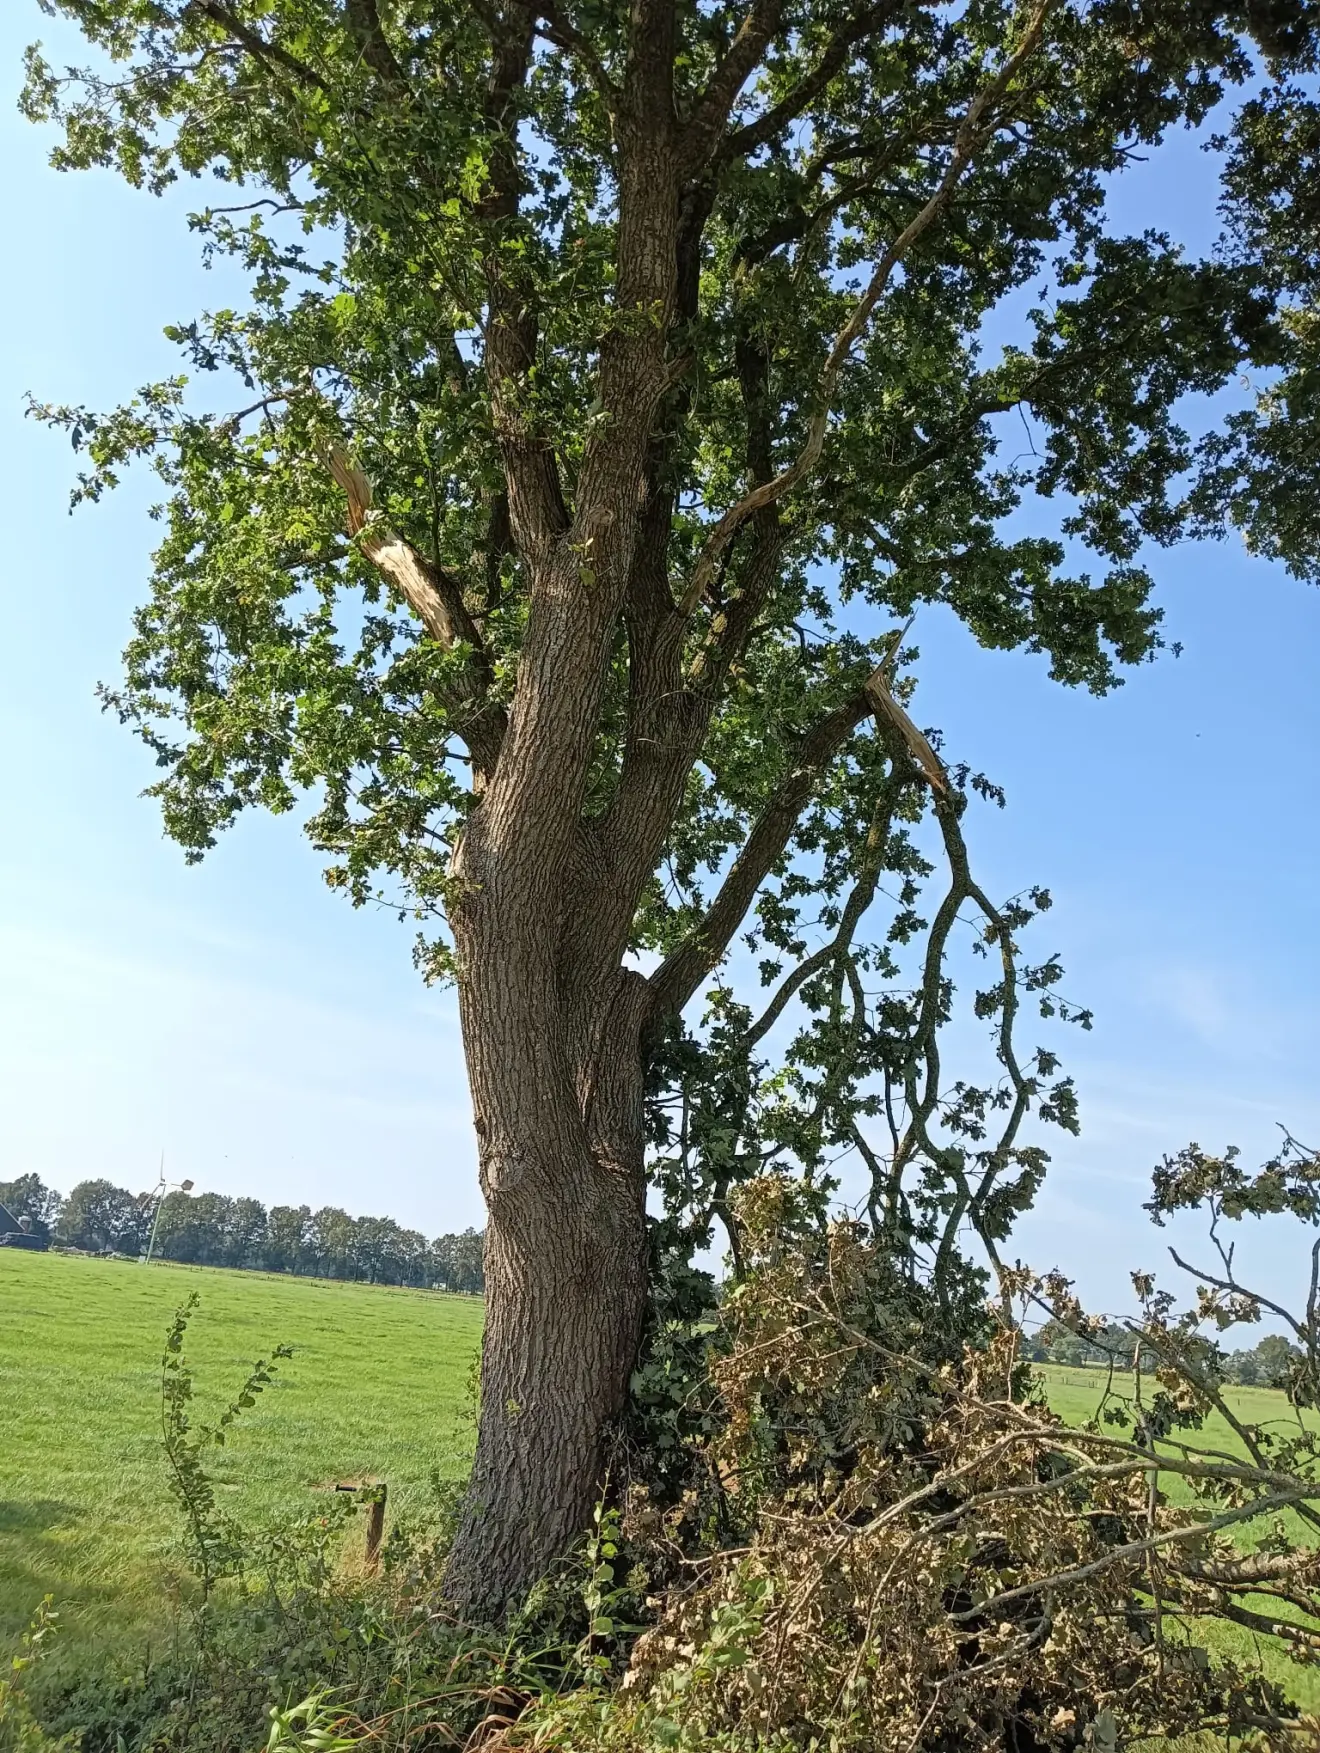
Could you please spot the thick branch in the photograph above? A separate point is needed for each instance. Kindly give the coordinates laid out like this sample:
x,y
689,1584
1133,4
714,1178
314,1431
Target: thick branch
x,y
1252,1569
764,129
667,721
257,46
648,81
888,710
732,626
499,542
363,21
536,501
711,110
434,595
1304,1638
580,571
677,978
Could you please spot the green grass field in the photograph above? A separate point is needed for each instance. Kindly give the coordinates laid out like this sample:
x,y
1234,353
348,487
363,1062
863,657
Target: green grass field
x,y
1075,1394
377,1386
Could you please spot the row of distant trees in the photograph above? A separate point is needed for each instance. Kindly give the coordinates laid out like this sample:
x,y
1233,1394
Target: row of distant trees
x,y
1266,1365
210,1229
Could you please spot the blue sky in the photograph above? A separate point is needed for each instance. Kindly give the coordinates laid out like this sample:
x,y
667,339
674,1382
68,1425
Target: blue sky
x,y
272,1041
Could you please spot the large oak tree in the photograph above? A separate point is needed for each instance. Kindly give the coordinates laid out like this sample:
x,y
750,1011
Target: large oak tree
x,y
622,376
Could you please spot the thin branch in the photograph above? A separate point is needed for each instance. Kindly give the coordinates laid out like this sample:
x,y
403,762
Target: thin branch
x,y
974,131
679,976
231,421
1161,1342
1234,1288
859,899
258,46
1190,1534
265,201
557,29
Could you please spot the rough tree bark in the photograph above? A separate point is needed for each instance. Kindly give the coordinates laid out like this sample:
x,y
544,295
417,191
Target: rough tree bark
x,y
554,1029
552,1021
555,1069
558,1106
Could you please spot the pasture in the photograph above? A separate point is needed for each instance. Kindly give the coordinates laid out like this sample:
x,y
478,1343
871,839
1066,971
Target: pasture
x,y
378,1386
1076,1393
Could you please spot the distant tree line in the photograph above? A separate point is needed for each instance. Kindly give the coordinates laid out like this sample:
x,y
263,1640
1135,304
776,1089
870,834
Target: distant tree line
x,y
1266,1365
1055,1343
211,1229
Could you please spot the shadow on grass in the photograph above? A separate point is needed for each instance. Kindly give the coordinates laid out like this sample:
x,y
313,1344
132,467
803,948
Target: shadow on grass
x,y
35,1561
38,1515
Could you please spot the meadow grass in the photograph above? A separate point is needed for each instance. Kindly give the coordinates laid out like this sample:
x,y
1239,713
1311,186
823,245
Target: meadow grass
x,y
1075,1394
378,1387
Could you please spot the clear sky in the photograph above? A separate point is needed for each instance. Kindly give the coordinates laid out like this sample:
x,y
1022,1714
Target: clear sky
x,y
272,1041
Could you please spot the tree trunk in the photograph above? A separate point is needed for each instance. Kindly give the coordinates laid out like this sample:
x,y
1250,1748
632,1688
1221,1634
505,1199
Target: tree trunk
x,y
555,1069
564,1304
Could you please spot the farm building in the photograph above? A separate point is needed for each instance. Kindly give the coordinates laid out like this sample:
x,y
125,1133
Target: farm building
x,y
17,1232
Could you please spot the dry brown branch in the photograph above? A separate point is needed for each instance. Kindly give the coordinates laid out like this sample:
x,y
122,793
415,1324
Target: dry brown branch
x,y
436,598
928,1562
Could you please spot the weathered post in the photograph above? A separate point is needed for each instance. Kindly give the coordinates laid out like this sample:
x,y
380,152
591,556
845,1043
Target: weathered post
x,y
375,1524
373,1494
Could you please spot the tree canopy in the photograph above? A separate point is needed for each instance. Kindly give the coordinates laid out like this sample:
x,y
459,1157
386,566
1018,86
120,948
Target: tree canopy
x,y
435,256
27,1197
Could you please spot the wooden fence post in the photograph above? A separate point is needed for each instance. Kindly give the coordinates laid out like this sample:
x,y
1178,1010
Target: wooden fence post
x,y
373,1494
